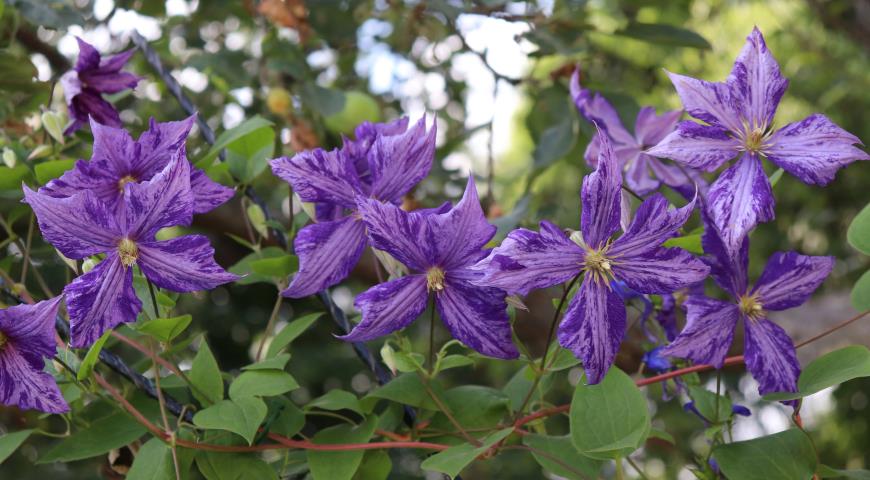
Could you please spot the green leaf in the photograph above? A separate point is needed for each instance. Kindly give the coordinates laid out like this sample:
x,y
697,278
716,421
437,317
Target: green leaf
x,y
336,400
828,472
105,434
11,178
556,141
611,419
48,171
476,406
663,34
92,357
406,389
828,370
339,465
454,459
553,450
564,359
205,375
262,383
376,465
662,435
278,267
786,455
290,420
705,402
278,362
690,243
224,139
240,415
165,329
858,234
861,293
454,361
243,266
248,155
231,466
154,462
11,441
291,332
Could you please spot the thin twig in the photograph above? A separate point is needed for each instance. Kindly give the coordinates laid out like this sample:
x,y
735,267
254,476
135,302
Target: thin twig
x,y
269,326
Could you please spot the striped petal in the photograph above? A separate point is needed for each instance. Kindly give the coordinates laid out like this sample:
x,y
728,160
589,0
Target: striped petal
x,y
600,195
770,357
711,102
327,252
697,146
163,201
664,270
398,162
389,307
708,333
31,328
789,279
320,176
756,82
477,316
182,264
27,387
653,223
740,199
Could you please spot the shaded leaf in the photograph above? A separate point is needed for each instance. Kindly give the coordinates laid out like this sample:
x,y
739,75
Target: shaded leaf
x,y
786,455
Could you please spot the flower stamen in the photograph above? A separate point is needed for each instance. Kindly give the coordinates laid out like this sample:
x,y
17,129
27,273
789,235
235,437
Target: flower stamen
x,y
128,251
124,181
597,263
751,307
435,279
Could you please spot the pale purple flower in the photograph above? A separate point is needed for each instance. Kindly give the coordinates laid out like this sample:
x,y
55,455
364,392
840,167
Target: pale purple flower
x,y
642,172
788,281
739,122
594,324
439,249
384,163
117,160
26,340
82,225
86,83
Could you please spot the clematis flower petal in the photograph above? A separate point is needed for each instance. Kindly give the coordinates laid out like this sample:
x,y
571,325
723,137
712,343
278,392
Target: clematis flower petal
x,y
109,81
600,195
327,252
158,145
770,357
477,316
739,200
462,231
711,102
389,307
182,264
89,57
99,300
650,129
207,194
31,329
789,279
320,176
78,226
729,270
598,110
163,201
89,103
814,149
664,270
407,236
97,177
365,135
756,82
527,260
398,162
25,386
117,61
697,146
708,333
593,327
113,147
653,223
637,174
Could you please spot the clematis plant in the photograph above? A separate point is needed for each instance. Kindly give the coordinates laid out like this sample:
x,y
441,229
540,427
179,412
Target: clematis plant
x,y
643,172
85,84
26,340
384,162
117,160
739,122
439,248
594,324
82,225
787,281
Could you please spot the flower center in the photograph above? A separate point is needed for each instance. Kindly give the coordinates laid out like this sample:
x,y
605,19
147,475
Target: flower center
x,y
755,139
598,264
435,279
125,180
128,251
751,307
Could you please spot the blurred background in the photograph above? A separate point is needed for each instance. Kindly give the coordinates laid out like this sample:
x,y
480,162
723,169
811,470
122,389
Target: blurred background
x,y
493,75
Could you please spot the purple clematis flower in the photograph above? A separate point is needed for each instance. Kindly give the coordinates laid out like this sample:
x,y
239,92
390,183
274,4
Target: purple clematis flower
x,y
81,226
594,323
788,281
739,121
439,248
91,77
384,163
641,170
26,340
117,160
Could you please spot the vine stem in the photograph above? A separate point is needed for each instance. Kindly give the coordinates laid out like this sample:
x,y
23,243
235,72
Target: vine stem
x,y
432,336
162,403
269,325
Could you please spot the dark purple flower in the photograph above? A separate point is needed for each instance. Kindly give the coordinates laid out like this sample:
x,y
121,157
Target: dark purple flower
x,y
26,340
788,281
384,163
641,170
594,324
439,248
85,84
82,225
117,160
655,361
739,121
